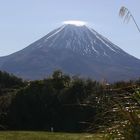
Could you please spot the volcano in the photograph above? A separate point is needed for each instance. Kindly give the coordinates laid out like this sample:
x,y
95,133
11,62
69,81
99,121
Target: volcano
x,y
75,50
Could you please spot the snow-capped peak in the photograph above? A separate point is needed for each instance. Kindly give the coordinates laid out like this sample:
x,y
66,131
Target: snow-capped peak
x,y
73,48
75,22
79,38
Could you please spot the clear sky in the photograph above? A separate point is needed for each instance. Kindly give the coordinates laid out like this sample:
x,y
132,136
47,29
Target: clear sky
x,y
24,21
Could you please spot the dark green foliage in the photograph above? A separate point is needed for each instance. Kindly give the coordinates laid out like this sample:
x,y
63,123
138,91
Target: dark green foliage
x,y
54,102
9,81
65,103
9,84
32,107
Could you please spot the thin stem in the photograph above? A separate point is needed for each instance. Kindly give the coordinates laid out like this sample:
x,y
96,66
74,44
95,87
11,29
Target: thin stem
x,y
124,12
135,23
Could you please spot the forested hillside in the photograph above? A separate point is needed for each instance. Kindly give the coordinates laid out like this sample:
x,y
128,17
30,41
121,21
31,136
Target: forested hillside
x,y
71,104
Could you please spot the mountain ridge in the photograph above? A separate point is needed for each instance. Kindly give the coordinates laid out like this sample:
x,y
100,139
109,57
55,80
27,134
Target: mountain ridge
x,y
74,50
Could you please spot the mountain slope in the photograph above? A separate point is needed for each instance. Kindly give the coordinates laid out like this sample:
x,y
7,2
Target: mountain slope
x,y
75,50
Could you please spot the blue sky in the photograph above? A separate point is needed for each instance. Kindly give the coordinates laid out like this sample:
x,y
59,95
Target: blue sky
x,y
24,21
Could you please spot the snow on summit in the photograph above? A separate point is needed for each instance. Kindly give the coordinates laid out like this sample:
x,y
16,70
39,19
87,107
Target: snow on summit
x,y
78,37
75,22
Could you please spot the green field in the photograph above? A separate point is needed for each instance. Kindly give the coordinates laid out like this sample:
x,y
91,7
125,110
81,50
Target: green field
x,y
25,135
